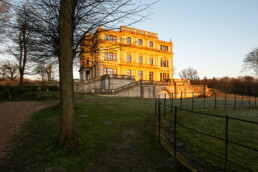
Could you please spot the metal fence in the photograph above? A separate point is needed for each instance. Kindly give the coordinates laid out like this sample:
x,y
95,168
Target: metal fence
x,y
171,128
200,100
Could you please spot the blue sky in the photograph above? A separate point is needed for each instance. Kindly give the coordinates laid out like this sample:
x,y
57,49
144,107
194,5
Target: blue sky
x,y
212,36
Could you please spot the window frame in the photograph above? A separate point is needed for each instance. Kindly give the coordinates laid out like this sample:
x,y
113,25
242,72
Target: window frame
x,y
140,73
128,40
140,42
128,72
151,44
128,57
140,61
151,61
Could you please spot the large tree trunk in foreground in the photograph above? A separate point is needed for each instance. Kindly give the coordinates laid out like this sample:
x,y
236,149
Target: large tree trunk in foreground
x,y
67,136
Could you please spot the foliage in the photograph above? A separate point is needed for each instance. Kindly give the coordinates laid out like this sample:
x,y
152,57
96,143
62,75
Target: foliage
x,y
241,85
29,93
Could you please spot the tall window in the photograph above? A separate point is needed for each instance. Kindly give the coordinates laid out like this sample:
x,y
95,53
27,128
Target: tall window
x,y
129,58
164,76
114,56
105,71
140,41
151,61
110,38
128,72
161,64
167,75
164,63
114,38
140,75
110,56
151,76
106,56
150,44
110,71
128,39
115,71
106,37
160,76
140,59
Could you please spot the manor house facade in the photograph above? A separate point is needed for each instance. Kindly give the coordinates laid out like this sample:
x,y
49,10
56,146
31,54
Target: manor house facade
x,y
115,62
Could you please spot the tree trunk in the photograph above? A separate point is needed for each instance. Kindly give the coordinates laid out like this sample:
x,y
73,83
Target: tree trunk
x,y
68,136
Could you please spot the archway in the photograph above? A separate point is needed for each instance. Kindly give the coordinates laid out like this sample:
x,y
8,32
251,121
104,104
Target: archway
x,y
164,93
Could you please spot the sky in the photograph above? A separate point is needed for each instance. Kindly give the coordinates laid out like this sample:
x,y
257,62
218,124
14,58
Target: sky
x,y
211,36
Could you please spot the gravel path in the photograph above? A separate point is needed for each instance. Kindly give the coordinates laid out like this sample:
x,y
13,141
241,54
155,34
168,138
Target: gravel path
x,y
12,116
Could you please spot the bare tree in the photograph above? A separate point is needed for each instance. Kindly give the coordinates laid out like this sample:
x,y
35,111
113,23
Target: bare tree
x,y
251,61
189,73
4,17
3,69
24,43
46,70
11,70
63,26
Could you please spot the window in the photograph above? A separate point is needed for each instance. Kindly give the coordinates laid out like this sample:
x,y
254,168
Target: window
x,y
161,64
151,61
164,63
167,75
114,38
167,63
160,76
88,61
114,56
140,75
128,40
110,71
128,72
163,47
151,76
106,56
140,41
150,44
115,71
129,58
105,71
110,56
110,38
106,37
140,59
160,47
164,76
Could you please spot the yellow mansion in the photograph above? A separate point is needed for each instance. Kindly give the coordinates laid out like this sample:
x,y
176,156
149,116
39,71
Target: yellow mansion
x,y
130,52
130,63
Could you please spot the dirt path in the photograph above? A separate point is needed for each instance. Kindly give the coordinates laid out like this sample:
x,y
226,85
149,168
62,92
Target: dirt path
x,y
12,116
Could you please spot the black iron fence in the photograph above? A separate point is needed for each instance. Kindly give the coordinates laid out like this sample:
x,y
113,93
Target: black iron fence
x,y
205,100
218,146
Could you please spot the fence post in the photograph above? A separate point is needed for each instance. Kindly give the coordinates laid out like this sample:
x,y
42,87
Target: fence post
x,y
204,101
165,104
215,100
181,100
192,99
172,100
235,100
155,111
242,99
225,100
249,101
175,132
159,117
226,144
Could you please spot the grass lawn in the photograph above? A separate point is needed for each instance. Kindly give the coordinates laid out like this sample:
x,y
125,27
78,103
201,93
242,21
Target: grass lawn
x,y
118,135
238,131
